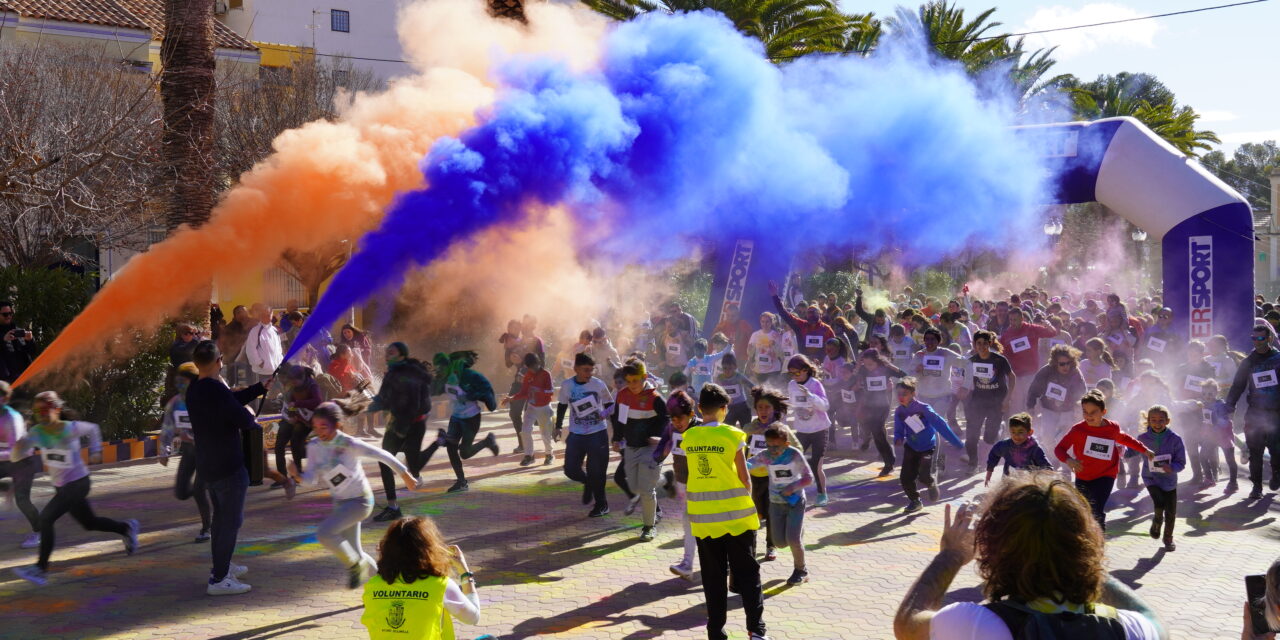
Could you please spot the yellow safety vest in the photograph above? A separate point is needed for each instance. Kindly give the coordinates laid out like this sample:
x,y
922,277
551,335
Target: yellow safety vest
x,y
413,611
718,503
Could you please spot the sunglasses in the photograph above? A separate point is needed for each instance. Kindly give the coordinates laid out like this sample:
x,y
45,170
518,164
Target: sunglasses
x,y
6,314
1259,338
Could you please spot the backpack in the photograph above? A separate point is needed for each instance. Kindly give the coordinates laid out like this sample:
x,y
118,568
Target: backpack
x,y
1026,623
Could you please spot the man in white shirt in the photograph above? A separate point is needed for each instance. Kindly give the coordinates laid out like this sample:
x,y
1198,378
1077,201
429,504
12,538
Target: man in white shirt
x,y
262,348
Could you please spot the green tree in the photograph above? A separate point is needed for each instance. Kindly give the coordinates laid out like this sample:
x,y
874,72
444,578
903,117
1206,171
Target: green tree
x,y
788,29
1141,96
1248,170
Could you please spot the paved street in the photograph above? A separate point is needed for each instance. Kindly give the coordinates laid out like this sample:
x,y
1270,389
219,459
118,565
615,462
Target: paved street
x,y
546,570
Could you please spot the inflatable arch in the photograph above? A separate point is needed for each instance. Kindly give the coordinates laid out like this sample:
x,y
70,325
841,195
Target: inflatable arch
x,y
1205,227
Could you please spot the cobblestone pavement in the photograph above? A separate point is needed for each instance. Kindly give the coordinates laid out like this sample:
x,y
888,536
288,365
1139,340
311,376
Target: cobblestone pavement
x,y
546,570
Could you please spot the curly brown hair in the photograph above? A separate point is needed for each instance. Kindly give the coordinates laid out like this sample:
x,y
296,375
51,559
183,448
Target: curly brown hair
x,y
411,549
1037,539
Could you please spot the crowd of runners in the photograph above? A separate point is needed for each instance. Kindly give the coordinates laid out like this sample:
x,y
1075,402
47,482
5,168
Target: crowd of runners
x,y
727,427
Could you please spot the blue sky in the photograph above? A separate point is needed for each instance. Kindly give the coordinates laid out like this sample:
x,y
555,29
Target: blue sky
x,y
1223,63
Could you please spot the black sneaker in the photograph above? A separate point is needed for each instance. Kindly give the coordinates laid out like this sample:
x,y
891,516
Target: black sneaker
x,y
388,514
1155,529
517,448
1275,481
799,576
526,461
886,471
492,443
646,535
599,512
913,507
586,493
1256,494
1232,486
459,487
932,490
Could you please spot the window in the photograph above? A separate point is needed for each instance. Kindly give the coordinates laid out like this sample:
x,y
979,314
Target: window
x,y
340,20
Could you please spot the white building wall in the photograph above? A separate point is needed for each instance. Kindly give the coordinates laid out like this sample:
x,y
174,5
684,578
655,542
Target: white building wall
x,y
308,23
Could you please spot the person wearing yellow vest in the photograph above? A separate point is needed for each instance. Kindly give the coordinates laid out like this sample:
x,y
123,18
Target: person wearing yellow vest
x,y
414,595
722,515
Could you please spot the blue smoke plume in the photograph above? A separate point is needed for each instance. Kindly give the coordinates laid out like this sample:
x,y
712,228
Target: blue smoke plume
x,y
687,131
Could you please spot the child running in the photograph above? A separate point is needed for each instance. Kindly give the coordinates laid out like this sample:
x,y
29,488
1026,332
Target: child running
x,y
1019,451
1160,473
788,475
639,419
809,400
771,407
738,386
335,465
917,425
1091,450
59,445
176,423
1219,430
680,411
536,391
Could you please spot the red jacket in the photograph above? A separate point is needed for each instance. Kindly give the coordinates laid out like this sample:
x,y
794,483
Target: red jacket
x,y
1097,448
1022,347
535,387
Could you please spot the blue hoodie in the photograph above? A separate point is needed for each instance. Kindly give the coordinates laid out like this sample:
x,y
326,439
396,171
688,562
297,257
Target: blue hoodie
x,y
1170,444
926,438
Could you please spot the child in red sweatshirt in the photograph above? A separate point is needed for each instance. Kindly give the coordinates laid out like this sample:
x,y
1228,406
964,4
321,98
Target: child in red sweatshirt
x,y
1092,450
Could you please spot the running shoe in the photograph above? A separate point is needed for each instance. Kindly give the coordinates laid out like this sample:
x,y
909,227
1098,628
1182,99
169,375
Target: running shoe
x,y
799,576
492,443
770,554
599,512
30,542
547,461
131,536
236,570
1256,494
228,587
1155,529
276,485
290,488
647,534
517,448
913,507
886,471
355,575
203,536
822,500
526,461
682,569
1170,546
1232,487
33,574
388,514
932,490
631,505
756,636
459,487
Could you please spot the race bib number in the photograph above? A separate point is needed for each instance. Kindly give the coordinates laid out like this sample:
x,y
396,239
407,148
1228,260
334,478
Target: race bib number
x,y
813,342
734,391
984,371
182,419
757,444
933,363
848,396
801,400
877,383
1115,339
1055,392
1160,461
1053,342
900,354
1264,379
1020,345
338,477
702,370
763,360
1207,415
786,355
566,363
1156,344
782,474
1100,448
57,458
624,412
673,349
1192,383
586,407
914,423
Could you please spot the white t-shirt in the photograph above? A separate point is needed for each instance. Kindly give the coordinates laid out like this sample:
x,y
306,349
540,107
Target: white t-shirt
x,y
972,621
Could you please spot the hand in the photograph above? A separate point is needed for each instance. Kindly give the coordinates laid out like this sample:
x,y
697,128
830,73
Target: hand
x,y
1075,465
617,446
271,379
506,400
457,559
8,337
957,537
789,490
1151,455
410,482
773,288
987,481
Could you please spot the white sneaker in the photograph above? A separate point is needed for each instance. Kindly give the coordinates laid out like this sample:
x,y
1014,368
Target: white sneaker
x,y
631,505
228,587
31,541
683,570
237,570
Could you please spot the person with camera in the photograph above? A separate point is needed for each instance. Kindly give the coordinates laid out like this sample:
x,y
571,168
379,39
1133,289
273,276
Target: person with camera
x,y
1262,610
19,345
421,585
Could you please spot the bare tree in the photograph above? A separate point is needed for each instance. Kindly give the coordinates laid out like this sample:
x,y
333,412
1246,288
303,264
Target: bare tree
x,y
79,135
187,90
312,268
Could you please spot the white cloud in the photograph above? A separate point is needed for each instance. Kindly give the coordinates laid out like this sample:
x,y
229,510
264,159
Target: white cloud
x,y
1217,115
1238,138
1079,41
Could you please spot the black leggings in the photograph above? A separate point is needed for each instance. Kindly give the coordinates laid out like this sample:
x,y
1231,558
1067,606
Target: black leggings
x,y
1166,504
73,498
410,442
983,420
815,446
23,473
1097,491
459,443
292,434
189,484
871,423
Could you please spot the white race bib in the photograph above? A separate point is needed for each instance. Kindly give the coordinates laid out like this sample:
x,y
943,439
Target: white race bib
x,y
585,407
1053,342
786,355
1055,392
702,370
57,458
734,391
182,419
1100,448
1021,344
1156,344
763,360
673,349
848,396
1159,460
1207,415
338,477
984,371
900,354
1264,379
781,473
757,444
1115,338
933,363
813,342
566,363
914,423
801,401
877,383
624,412
1192,383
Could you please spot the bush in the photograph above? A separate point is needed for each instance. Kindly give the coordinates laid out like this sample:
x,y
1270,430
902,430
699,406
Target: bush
x,y
841,283
938,284
45,299
693,292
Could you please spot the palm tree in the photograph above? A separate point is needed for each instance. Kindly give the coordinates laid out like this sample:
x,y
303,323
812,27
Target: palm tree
x,y
942,25
187,93
788,29
1145,98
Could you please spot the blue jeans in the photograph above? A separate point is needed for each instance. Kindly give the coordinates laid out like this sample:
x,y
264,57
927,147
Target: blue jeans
x,y
594,449
227,498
